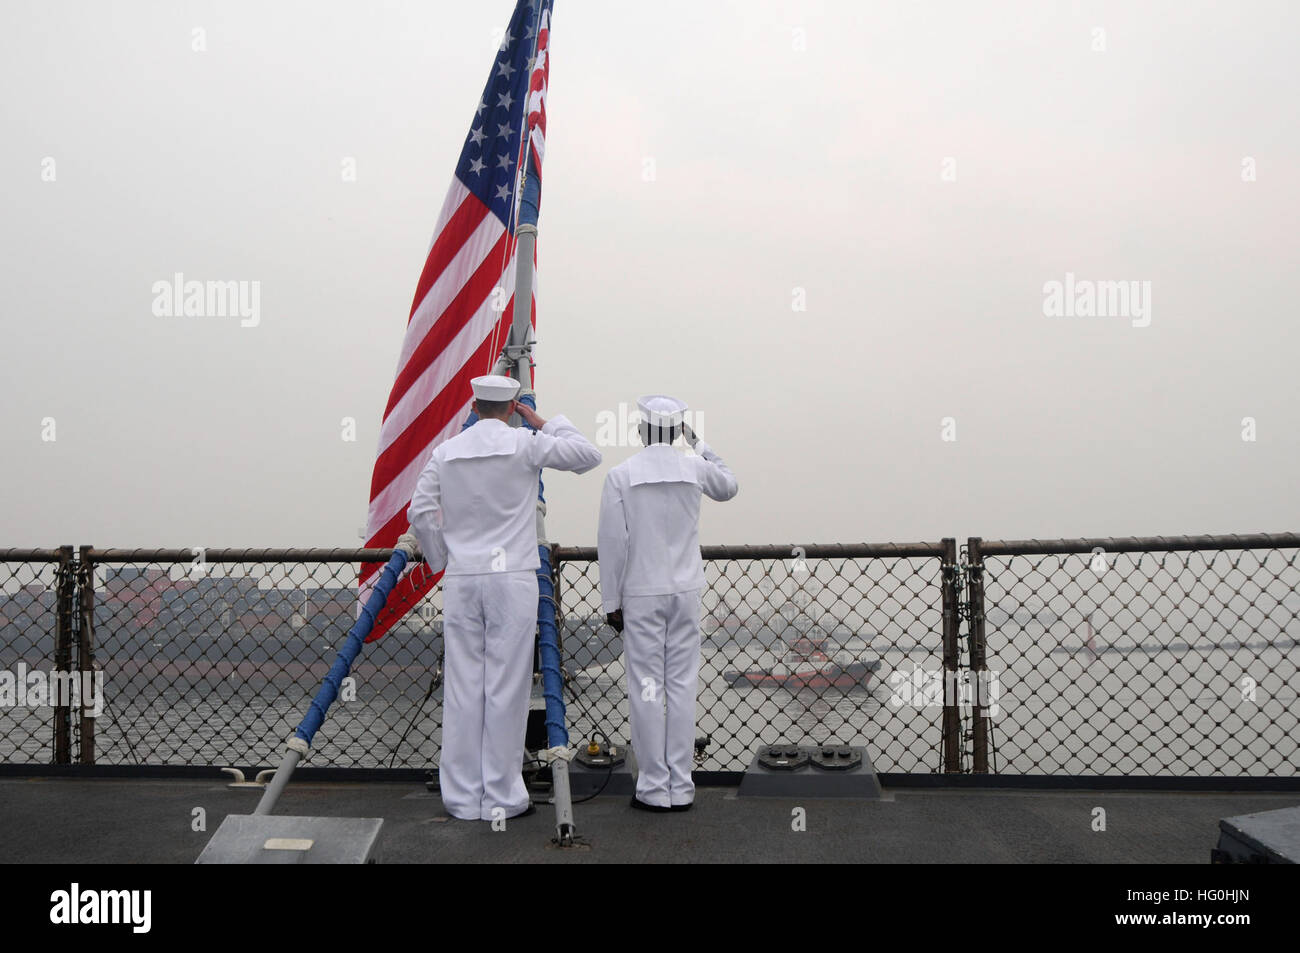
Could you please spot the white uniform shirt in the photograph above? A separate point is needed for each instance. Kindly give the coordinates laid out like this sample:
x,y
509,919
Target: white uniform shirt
x,y
648,540
474,509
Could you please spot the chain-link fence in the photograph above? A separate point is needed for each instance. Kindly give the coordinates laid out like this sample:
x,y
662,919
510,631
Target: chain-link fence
x,y
211,657
798,644
1134,657
1078,657
35,593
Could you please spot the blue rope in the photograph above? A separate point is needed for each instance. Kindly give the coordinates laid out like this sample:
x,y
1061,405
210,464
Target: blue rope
x,y
557,734
548,641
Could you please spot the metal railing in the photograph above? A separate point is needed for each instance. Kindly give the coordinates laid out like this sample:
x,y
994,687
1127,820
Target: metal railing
x,y
1143,657
798,643
1131,657
210,658
36,621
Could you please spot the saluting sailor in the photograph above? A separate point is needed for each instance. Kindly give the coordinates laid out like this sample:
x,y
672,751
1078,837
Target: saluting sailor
x,y
474,512
651,575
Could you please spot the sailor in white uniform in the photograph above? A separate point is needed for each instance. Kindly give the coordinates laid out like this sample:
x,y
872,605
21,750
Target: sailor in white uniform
x,y
474,512
651,575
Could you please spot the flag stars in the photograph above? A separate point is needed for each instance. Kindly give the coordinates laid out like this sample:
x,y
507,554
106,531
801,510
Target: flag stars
x,y
503,193
505,161
505,69
482,105
477,166
506,41
504,131
477,136
505,100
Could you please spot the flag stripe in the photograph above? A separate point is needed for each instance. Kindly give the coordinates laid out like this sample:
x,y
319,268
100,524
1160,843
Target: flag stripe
x,y
479,246
439,372
450,243
391,502
470,307
434,417
472,295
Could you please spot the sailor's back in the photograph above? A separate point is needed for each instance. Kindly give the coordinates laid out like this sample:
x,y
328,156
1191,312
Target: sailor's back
x,y
483,483
659,490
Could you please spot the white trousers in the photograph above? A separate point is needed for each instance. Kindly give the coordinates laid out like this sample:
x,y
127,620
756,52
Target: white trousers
x,y
661,652
489,623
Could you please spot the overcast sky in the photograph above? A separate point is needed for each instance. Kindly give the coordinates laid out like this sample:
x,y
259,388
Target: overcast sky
x,y
911,174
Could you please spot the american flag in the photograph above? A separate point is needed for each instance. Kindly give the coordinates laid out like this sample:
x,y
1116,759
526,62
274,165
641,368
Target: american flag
x,y
461,313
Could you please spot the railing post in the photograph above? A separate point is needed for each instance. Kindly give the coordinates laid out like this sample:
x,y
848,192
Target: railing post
x,y
65,587
86,650
555,594
978,666
951,655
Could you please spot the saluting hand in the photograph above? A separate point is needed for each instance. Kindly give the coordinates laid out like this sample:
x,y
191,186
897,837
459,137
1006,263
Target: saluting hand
x,y
529,415
689,434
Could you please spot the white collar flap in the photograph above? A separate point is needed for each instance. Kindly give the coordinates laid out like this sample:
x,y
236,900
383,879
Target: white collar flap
x,y
487,438
660,463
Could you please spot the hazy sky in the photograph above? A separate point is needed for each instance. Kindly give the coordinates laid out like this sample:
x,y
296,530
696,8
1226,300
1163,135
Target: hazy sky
x,y
912,173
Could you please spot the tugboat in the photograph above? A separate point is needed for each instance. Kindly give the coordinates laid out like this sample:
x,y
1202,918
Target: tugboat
x,y
807,664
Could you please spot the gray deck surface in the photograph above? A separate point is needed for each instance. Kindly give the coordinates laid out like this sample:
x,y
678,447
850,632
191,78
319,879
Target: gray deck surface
x,y
75,821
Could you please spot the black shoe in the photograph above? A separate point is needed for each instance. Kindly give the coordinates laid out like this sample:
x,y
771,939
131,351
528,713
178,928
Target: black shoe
x,y
526,812
652,808
682,807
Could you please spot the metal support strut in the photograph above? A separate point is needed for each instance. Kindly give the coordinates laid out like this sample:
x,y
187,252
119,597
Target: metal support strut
x,y
299,744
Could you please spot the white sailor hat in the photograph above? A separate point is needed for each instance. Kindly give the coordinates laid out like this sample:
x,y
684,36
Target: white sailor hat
x,y
660,410
494,387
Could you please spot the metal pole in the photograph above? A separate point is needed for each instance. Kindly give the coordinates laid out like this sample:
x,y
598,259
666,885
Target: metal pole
x,y
86,650
282,773
564,826
299,744
65,590
555,594
975,589
522,323
516,360
951,654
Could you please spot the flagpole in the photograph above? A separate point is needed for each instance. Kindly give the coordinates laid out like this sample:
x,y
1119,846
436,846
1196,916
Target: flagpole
x,y
516,358
517,355
516,361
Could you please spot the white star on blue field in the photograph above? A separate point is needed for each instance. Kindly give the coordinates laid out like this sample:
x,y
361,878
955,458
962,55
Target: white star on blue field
x,y
488,162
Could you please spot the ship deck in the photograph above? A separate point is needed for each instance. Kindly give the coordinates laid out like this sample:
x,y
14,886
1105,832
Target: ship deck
x,y
64,820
